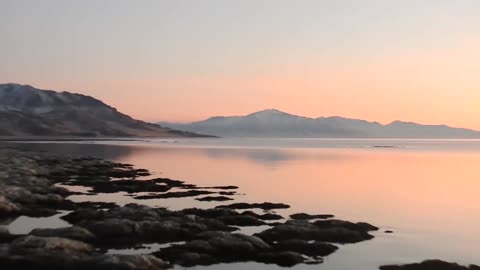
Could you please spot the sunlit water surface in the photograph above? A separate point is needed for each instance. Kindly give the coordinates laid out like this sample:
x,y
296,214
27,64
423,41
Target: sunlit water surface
x,y
426,191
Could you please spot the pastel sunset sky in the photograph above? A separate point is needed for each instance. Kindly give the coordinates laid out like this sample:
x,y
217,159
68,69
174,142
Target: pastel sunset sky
x,y
181,60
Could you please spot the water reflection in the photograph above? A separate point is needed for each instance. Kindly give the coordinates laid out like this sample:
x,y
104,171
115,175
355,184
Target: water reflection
x,y
429,198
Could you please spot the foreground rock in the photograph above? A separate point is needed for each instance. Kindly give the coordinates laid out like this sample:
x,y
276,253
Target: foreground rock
x,y
29,185
221,247
75,233
334,231
430,265
32,252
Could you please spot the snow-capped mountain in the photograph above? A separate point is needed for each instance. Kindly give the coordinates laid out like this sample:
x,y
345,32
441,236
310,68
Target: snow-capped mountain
x,y
277,124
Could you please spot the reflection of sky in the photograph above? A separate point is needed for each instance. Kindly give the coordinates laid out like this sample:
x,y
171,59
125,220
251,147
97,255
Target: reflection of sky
x,y
411,192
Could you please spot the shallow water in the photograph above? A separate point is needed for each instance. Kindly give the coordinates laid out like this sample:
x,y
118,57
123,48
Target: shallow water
x,y
426,191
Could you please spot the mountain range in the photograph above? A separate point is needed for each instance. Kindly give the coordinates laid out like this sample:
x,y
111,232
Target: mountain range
x,y
274,123
28,111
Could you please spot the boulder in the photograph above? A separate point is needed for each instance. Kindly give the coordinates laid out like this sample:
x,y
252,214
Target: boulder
x,y
430,265
75,233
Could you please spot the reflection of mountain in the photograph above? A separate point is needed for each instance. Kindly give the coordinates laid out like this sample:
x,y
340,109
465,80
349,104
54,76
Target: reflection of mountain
x,y
276,124
263,157
108,152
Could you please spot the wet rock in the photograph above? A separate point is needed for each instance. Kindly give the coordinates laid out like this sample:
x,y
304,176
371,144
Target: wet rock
x,y
431,265
218,247
7,208
242,220
284,259
75,233
176,194
313,249
227,216
111,232
270,216
388,231
304,216
129,186
227,193
263,206
133,212
214,199
221,187
36,247
334,232
125,262
335,223
5,235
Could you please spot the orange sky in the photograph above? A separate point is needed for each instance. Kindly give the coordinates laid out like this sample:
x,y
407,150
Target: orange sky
x,y
408,60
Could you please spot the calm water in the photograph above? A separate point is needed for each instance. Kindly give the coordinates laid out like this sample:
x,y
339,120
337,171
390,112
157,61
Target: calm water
x,y
426,191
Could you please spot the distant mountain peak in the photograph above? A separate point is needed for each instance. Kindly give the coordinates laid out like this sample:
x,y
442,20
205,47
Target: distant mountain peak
x,y
269,112
275,123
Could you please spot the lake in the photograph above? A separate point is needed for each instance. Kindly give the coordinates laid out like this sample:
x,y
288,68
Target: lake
x,y
426,191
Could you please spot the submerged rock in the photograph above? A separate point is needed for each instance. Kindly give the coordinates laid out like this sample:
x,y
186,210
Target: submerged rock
x,y
430,265
304,216
335,232
176,194
263,206
214,199
313,249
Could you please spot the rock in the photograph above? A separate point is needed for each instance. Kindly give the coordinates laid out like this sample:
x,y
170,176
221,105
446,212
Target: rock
x,y
304,216
430,265
335,223
312,249
7,208
34,246
219,247
5,235
227,193
75,233
264,206
176,194
242,220
214,199
129,186
125,262
284,259
388,231
221,187
112,228
270,216
334,232
267,216
227,216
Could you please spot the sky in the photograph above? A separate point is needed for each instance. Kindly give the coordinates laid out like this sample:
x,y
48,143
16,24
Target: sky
x,y
187,60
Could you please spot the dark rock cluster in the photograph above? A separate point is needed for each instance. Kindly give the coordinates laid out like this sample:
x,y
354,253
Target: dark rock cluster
x,y
29,186
430,265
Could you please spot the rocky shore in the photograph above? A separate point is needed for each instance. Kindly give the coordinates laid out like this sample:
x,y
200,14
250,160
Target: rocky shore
x,y
33,184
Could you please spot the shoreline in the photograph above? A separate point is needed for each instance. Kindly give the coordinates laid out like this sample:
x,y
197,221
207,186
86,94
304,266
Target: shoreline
x,y
200,236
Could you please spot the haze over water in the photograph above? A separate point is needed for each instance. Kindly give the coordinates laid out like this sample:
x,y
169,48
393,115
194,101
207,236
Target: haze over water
x,y
426,191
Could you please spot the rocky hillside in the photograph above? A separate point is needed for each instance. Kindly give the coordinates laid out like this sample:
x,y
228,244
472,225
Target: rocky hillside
x,y
27,111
